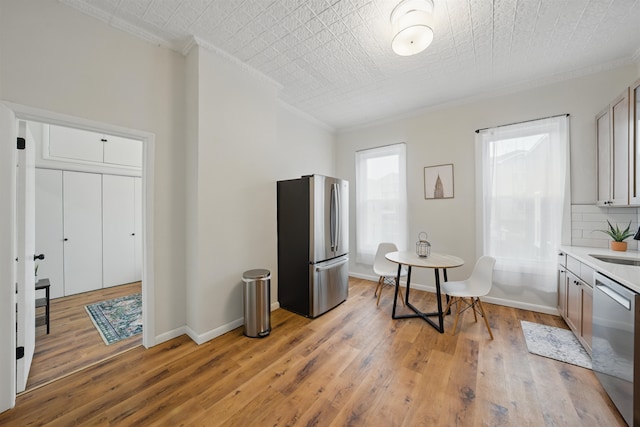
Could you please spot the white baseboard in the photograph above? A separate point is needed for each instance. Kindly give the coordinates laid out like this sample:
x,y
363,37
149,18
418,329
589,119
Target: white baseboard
x,y
214,333
492,300
175,333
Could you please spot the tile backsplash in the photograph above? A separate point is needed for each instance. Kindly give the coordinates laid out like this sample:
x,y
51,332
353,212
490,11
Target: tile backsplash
x,y
587,219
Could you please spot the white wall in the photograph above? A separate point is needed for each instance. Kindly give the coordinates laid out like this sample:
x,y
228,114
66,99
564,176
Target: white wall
x,y
447,136
57,59
241,141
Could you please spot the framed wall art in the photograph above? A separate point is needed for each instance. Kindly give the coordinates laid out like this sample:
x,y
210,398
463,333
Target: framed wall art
x,y
438,182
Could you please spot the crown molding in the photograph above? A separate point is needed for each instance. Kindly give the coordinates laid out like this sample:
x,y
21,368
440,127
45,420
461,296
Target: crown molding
x,y
193,41
119,23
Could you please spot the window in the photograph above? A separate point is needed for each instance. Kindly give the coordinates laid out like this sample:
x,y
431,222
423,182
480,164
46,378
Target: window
x,y
381,200
523,199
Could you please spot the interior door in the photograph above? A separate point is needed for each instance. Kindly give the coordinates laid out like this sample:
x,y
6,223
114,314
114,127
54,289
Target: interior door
x,y
25,244
7,259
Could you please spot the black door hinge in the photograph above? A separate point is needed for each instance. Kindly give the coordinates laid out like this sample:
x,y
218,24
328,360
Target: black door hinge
x,y
21,143
19,353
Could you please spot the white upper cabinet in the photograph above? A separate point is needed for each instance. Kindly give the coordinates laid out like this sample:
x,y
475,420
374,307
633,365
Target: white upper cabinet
x,y
69,143
603,143
620,149
617,139
122,151
81,146
634,145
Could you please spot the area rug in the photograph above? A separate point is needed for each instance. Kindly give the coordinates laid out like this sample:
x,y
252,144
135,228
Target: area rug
x,y
555,343
118,318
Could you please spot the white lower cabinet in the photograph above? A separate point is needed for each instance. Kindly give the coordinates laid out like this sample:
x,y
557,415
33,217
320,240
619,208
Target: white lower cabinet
x,y
87,227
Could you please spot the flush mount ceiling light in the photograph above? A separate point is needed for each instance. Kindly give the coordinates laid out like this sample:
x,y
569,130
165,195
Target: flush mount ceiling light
x,y
412,22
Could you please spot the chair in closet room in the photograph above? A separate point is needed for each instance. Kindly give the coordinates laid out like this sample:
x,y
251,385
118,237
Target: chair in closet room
x,y
477,285
386,270
44,319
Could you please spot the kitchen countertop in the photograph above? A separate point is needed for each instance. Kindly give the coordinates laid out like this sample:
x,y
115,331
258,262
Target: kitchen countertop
x,y
627,275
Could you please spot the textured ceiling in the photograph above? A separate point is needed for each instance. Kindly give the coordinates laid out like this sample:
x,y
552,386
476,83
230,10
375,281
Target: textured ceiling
x,y
333,58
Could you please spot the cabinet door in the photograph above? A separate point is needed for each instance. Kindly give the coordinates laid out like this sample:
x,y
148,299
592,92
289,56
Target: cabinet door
x,y
574,302
562,291
620,149
587,316
138,227
118,230
603,143
82,204
634,145
49,228
122,151
77,144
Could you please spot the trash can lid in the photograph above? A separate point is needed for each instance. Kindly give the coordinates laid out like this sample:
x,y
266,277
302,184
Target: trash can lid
x,y
256,274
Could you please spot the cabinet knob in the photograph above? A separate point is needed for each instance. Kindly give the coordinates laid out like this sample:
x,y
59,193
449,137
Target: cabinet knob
x,y
65,239
133,234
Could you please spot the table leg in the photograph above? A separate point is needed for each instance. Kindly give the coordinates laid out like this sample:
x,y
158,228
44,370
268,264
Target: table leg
x,y
425,316
444,271
395,297
439,298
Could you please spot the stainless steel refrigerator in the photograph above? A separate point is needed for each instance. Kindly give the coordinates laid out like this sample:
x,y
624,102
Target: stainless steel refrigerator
x,y
313,244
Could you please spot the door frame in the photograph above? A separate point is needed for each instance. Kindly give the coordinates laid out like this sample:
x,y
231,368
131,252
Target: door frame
x,y
7,227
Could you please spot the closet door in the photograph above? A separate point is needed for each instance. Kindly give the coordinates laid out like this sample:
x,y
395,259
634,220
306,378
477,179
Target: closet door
x,y
82,201
138,227
49,228
118,230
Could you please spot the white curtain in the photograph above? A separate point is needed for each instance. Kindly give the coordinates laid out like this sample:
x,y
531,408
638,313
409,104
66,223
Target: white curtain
x,y
381,200
524,199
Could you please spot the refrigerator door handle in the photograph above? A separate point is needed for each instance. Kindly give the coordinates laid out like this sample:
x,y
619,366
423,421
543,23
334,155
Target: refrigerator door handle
x,y
333,220
334,265
336,239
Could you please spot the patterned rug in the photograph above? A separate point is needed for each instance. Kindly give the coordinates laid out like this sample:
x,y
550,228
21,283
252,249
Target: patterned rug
x,y
555,343
118,318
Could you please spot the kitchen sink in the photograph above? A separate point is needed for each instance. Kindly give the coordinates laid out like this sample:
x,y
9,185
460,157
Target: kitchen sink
x,y
616,260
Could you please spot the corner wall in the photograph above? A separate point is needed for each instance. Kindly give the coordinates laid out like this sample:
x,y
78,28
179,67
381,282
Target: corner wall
x,y
241,141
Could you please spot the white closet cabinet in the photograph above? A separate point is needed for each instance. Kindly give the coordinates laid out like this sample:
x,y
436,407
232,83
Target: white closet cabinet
x,y
82,222
137,188
49,228
118,230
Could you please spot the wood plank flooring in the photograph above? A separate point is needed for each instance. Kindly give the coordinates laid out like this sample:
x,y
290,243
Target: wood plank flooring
x,y
353,366
74,342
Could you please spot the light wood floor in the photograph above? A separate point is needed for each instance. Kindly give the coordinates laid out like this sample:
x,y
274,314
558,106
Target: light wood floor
x,y
353,366
74,342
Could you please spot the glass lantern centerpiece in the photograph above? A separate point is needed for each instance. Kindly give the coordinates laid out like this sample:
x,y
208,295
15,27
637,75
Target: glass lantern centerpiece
x,y
423,248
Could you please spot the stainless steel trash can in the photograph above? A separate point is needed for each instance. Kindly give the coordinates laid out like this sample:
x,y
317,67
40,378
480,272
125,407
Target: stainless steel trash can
x,y
257,303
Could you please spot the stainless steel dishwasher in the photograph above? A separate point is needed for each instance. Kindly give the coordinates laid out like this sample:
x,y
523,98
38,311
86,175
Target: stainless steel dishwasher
x,y
616,345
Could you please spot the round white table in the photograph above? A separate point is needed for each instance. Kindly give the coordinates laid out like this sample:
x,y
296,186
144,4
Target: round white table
x,y
434,260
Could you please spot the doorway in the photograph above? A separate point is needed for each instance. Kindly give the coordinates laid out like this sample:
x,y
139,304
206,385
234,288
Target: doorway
x,y
146,287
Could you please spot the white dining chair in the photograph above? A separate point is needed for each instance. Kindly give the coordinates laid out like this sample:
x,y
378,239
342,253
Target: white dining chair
x,y
386,270
477,285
